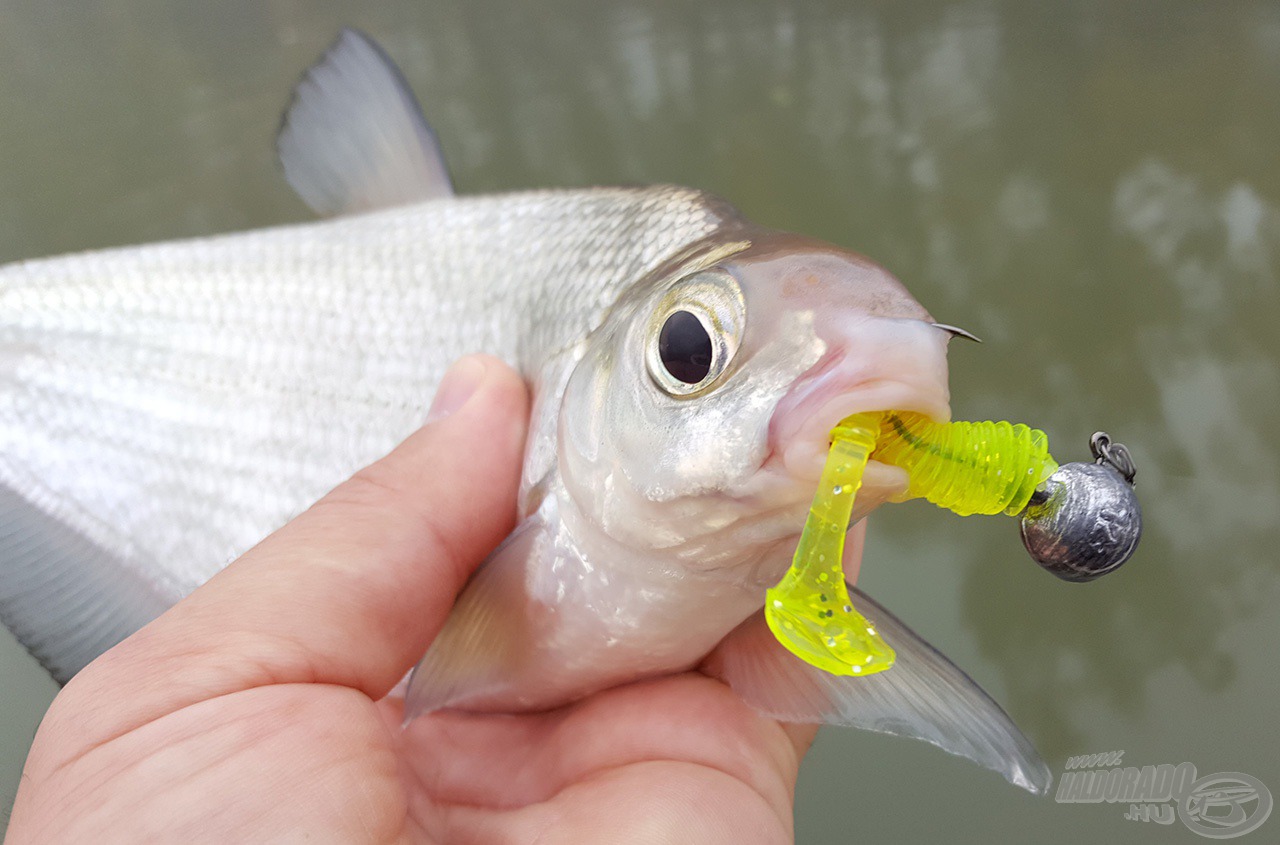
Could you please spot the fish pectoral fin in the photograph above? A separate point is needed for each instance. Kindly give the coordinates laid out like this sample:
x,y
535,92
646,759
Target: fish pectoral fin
x,y
924,695
63,594
354,139
485,641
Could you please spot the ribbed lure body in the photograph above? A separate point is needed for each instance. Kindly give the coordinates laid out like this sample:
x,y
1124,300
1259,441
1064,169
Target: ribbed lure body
x,y
966,467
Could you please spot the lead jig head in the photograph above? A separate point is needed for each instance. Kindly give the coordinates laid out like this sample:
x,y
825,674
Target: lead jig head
x,y
1084,520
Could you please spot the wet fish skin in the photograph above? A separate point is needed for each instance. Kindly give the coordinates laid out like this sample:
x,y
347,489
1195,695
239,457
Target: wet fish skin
x,y
164,407
177,402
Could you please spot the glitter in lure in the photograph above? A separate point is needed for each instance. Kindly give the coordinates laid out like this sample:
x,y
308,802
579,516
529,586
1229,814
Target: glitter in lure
x,y
965,467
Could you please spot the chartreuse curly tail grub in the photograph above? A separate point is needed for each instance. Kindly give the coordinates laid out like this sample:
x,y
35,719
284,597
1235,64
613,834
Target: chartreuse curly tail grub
x,y
965,467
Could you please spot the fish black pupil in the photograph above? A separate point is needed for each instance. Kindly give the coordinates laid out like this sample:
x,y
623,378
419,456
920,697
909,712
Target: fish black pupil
x,y
685,347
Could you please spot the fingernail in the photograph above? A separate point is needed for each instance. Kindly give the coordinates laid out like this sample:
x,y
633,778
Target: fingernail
x,y
457,386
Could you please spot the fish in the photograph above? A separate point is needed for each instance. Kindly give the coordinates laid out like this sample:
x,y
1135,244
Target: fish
x,y
164,407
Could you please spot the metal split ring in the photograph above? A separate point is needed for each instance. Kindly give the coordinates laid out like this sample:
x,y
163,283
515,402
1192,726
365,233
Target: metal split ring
x,y
1113,454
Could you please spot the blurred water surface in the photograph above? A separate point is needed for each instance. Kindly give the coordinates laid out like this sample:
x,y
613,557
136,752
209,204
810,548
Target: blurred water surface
x,y
1092,187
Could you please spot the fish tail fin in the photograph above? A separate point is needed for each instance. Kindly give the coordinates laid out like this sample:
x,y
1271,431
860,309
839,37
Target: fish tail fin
x,y
62,594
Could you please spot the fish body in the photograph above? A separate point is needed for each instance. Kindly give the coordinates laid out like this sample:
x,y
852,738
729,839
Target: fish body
x,y
187,380
162,408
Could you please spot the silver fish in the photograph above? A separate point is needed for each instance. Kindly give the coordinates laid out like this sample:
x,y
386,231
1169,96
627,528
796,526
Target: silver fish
x,y
164,407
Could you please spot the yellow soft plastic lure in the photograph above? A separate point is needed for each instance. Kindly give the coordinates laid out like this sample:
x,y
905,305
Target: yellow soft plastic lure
x,y
965,467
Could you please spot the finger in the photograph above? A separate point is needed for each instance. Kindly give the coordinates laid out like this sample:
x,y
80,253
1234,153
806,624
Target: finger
x,y
352,591
801,736
689,719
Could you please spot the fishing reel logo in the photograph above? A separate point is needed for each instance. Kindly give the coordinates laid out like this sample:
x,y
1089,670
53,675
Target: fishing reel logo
x,y
1218,806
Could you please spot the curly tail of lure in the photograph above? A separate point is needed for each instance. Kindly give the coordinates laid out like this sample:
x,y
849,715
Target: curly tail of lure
x,y
1079,521
810,611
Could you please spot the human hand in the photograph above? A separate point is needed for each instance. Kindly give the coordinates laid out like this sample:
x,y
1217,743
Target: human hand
x,y
257,710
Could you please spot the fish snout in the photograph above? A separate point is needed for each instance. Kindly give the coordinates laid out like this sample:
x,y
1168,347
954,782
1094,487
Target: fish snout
x,y
871,364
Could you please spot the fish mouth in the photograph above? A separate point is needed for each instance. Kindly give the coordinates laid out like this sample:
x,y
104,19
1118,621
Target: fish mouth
x,y
908,377
869,365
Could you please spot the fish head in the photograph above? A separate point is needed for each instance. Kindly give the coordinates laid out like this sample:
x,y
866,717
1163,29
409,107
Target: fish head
x,y
696,423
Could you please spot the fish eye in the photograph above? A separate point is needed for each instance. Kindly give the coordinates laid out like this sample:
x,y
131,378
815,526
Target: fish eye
x,y
694,333
684,347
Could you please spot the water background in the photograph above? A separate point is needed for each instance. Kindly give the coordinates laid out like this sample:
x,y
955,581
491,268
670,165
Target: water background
x,y
1094,188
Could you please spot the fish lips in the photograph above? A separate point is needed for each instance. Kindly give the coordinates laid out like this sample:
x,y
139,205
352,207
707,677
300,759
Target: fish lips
x,y
886,365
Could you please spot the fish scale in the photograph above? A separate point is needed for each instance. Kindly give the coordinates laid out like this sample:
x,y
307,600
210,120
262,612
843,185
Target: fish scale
x,y
156,387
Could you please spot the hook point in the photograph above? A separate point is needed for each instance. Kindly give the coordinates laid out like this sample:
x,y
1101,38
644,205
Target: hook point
x,y
955,331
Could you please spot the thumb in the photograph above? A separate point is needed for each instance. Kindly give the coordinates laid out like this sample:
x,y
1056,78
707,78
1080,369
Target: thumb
x,y
352,591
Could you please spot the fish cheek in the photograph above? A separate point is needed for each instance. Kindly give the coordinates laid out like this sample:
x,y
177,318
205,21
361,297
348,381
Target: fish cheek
x,y
654,468
641,445
625,447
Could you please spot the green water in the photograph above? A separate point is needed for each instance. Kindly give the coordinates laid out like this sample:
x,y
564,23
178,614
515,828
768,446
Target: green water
x,y
1094,190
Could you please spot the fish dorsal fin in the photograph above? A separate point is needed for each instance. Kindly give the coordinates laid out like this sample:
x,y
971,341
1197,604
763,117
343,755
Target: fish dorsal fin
x,y
924,696
354,138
